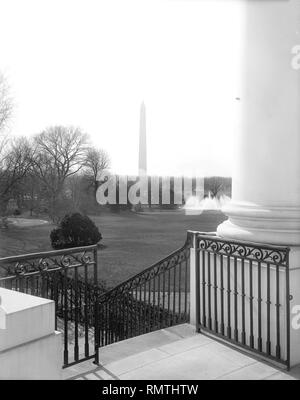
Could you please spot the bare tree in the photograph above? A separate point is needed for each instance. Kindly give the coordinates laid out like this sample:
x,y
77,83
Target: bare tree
x,y
60,152
74,190
5,103
15,163
217,186
5,114
97,161
29,193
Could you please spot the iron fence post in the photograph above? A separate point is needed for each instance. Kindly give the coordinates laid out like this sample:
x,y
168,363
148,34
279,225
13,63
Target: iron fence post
x,y
197,281
96,308
288,312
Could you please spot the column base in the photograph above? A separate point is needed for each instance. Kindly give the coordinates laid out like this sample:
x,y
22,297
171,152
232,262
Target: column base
x,y
256,223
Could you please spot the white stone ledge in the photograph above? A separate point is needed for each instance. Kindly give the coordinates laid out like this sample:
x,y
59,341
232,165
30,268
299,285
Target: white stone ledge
x,y
24,318
30,348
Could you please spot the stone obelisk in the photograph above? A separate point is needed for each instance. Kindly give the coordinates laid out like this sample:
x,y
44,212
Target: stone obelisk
x,y
143,142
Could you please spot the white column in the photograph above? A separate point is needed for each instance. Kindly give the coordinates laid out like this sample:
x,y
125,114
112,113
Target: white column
x,y
266,182
265,205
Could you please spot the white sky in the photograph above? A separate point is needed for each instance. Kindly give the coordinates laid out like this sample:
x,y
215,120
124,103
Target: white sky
x,y
90,63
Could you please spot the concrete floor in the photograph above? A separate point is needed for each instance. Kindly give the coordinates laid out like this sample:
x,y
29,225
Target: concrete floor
x,y
176,353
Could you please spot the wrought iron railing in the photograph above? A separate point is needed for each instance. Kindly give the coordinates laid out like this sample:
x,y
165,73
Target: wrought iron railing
x,y
91,317
243,295
156,298
70,278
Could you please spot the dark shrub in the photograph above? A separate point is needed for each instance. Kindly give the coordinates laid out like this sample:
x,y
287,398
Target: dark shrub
x,y
17,212
57,239
75,230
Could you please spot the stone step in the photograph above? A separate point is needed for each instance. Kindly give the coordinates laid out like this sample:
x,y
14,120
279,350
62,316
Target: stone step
x,y
131,347
176,353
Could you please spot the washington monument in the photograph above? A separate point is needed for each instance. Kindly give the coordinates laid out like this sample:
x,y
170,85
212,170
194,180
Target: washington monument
x,y
142,142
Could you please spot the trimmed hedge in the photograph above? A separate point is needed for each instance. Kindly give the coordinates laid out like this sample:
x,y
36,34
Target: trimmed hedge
x,y
75,230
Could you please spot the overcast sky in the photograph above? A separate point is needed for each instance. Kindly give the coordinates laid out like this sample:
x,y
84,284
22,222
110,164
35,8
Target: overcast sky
x,y
90,63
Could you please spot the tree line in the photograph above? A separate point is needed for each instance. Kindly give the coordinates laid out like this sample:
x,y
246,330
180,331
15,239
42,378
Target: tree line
x,y
52,172
58,170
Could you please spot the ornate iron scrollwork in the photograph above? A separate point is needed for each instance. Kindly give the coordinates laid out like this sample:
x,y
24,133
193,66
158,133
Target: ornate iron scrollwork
x,y
21,266
247,251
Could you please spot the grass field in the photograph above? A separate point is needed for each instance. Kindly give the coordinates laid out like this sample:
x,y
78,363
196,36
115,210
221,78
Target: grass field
x,y
132,242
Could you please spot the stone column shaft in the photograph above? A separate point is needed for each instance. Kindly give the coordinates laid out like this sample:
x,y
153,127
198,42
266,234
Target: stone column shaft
x,y
265,205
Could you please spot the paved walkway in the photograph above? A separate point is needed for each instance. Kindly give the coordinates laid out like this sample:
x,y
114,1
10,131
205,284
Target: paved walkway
x,y
27,222
176,353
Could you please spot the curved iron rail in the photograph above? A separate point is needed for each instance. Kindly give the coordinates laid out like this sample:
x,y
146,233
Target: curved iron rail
x,y
170,261
156,298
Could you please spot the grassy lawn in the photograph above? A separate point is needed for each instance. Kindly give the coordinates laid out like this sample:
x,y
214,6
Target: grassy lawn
x,y
132,241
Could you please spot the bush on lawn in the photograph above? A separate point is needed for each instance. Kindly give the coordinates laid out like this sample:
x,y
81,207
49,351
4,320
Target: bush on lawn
x,y
75,230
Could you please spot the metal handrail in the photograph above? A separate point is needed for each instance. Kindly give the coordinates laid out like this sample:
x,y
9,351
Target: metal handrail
x,y
146,271
51,253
